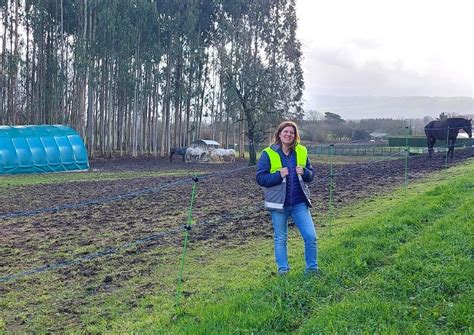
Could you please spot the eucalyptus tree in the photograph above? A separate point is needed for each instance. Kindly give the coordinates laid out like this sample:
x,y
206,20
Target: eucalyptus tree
x,y
260,59
137,76
11,13
4,14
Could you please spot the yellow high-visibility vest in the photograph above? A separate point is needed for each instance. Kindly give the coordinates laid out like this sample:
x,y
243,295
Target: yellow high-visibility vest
x,y
275,161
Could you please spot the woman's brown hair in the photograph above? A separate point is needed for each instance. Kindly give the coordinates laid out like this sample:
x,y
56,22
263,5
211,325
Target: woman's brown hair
x,y
283,125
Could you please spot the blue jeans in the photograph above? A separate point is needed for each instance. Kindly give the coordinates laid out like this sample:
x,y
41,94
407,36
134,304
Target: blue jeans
x,y
302,219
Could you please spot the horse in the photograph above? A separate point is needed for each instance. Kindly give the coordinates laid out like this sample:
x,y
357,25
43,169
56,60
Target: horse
x,y
195,154
178,151
439,130
222,153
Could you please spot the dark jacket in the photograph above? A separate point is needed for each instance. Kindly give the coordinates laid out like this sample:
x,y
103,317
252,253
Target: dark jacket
x,y
288,192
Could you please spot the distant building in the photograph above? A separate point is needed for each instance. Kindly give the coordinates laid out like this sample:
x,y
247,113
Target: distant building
x,y
205,144
377,136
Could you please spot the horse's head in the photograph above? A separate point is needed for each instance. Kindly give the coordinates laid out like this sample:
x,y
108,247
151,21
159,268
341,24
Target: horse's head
x,y
468,127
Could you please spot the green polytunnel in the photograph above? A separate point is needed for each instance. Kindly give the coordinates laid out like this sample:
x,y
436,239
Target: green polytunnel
x,y
43,148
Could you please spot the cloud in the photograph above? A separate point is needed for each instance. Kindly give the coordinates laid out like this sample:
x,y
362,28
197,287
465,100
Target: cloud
x,y
401,48
366,43
337,57
346,71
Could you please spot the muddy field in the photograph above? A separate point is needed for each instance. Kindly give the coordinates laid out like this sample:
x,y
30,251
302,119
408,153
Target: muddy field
x,y
84,220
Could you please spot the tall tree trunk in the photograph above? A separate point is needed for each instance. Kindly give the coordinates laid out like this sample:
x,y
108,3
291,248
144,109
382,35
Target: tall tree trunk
x,y
102,106
177,98
242,135
202,93
136,102
188,130
91,84
3,67
165,135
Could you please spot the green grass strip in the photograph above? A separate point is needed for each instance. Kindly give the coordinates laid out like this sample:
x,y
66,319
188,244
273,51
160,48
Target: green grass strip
x,y
406,267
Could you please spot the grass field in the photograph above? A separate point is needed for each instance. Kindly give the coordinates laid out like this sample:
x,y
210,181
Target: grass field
x,y
396,264
400,263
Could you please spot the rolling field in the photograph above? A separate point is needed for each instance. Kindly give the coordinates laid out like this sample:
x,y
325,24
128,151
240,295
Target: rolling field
x,y
100,251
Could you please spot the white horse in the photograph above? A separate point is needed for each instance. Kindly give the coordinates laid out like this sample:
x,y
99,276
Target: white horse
x,y
195,154
221,154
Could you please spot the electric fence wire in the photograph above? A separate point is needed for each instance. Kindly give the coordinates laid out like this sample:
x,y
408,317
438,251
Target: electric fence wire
x,y
359,141
113,250
361,167
396,131
400,154
108,251
450,128
138,193
104,200
464,143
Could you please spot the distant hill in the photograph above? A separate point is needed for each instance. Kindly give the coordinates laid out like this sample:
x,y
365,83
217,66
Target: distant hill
x,y
363,107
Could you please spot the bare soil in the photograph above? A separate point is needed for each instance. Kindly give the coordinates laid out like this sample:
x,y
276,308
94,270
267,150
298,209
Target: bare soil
x,y
141,214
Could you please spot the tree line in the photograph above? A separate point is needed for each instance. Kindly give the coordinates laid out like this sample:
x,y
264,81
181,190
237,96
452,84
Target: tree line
x,y
330,127
142,76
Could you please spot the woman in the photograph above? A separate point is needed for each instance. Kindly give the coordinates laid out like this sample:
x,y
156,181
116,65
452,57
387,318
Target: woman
x,y
283,170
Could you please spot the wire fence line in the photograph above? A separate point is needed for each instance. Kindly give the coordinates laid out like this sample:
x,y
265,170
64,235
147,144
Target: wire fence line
x,y
134,194
110,250
449,128
320,149
362,140
125,196
153,237
325,146
342,149
361,167
107,251
104,200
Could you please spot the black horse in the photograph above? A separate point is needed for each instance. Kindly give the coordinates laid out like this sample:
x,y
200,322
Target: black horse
x,y
439,130
178,151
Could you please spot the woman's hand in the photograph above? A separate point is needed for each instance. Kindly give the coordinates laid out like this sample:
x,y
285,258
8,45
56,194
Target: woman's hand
x,y
284,172
300,170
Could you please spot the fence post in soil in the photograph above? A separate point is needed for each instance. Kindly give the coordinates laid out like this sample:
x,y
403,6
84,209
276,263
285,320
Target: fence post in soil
x,y
407,154
447,148
187,228
331,187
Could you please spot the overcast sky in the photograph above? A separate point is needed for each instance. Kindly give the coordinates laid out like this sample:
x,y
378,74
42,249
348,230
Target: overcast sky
x,y
387,47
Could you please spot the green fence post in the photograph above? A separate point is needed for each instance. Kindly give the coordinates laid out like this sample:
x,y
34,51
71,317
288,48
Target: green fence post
x,y
331,186
187,228
407,154
447,148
